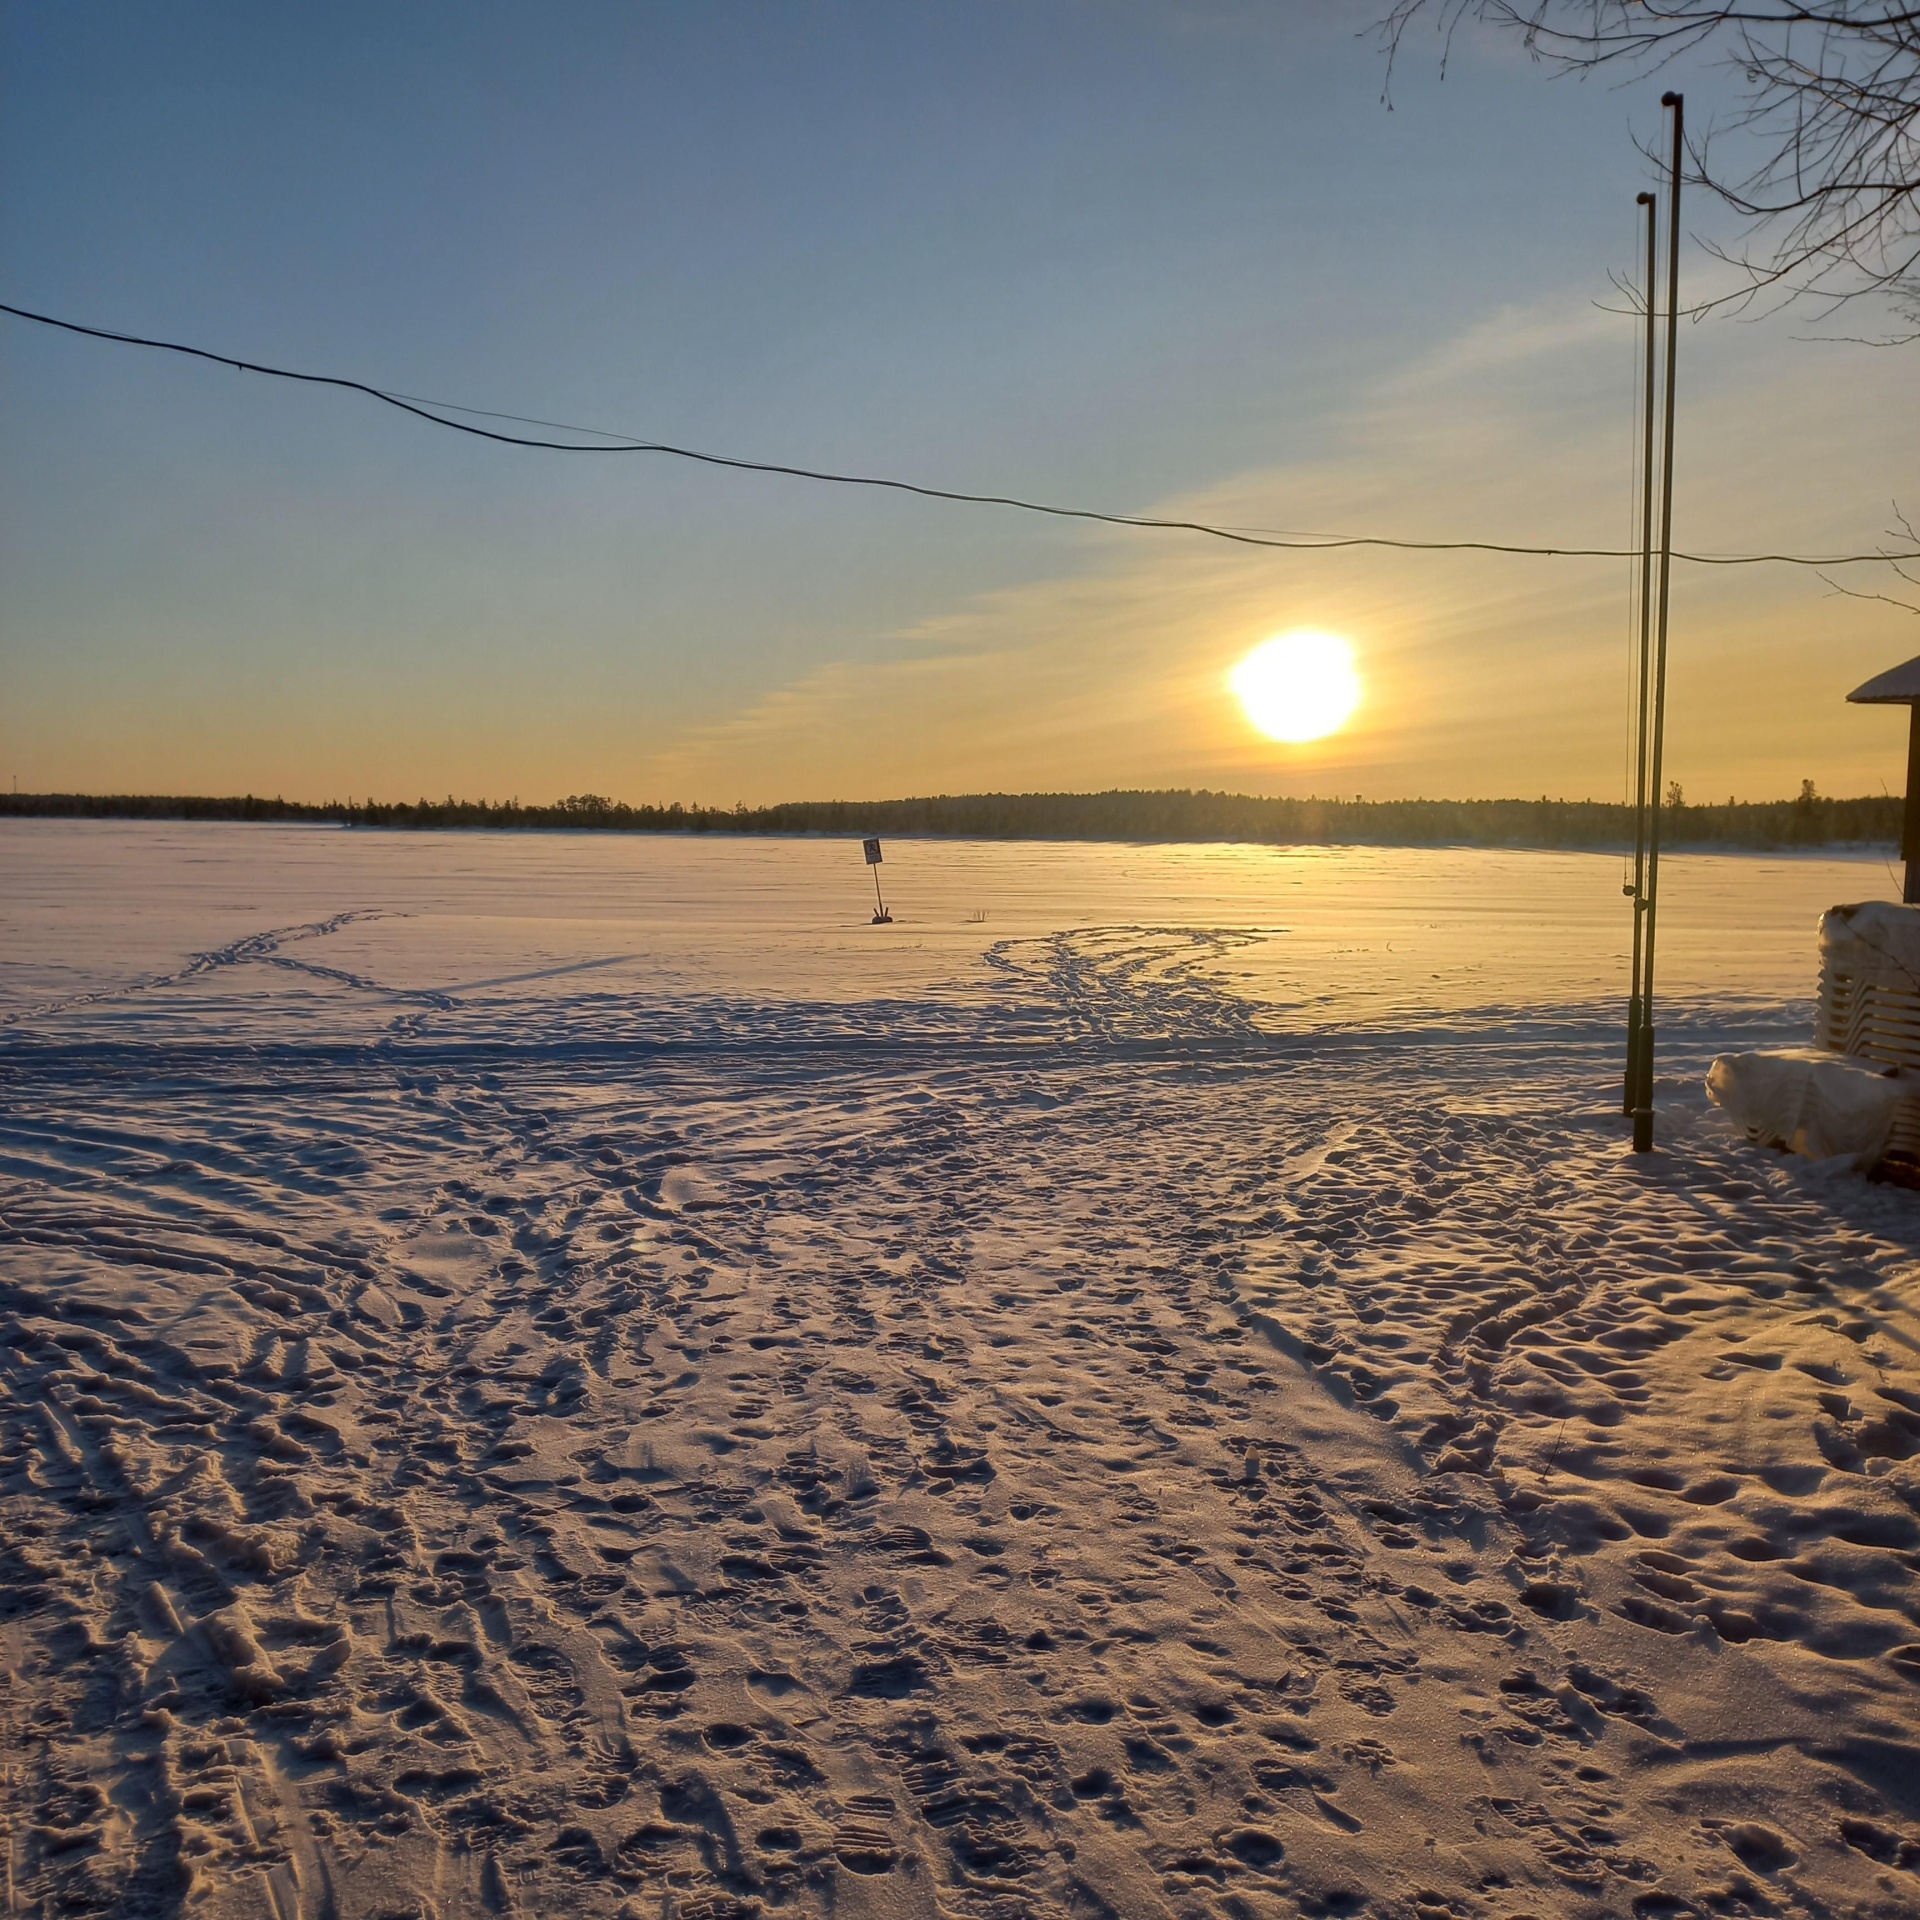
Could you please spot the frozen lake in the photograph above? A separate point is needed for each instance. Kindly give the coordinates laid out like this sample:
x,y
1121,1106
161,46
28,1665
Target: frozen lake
x,y
572,1374
1315,935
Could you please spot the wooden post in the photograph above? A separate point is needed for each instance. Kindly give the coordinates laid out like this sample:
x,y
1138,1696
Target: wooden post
x,y
1910,827
1900,687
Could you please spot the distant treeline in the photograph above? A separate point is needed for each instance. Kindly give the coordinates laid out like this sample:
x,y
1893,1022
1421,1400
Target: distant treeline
x,y
1811,820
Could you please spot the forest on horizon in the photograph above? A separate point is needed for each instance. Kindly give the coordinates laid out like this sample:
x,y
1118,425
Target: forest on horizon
x,y
1809,820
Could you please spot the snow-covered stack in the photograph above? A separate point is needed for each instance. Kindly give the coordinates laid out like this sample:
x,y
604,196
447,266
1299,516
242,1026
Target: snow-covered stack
x,y
1870,983
1857,1093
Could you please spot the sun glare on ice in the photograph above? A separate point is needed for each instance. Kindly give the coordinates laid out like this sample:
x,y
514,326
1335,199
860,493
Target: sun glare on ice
x,y
1298,686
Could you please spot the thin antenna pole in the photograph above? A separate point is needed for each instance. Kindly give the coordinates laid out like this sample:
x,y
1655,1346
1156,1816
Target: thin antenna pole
x,y
1643,1109
1636,1012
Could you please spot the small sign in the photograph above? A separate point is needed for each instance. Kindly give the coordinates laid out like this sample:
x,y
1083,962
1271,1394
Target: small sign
x,y
870,846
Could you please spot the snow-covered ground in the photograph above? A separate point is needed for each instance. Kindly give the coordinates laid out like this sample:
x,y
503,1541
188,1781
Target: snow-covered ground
x,y
572,1375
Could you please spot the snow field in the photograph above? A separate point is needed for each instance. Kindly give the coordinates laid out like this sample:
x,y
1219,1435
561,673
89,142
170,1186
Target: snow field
x,y
555,1376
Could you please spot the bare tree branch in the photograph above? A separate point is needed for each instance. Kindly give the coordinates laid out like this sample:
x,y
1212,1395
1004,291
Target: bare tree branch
x,y
1823,154
1854,593
1902,528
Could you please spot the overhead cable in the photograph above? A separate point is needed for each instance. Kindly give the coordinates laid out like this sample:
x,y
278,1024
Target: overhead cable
x,y
436,411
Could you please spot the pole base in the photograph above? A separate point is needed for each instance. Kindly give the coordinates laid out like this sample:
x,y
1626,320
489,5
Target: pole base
x,y
1643,1129
1630,1080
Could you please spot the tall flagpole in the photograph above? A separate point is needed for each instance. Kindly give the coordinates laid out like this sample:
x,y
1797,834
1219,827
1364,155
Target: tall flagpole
x,y
1635,1011
1643,1107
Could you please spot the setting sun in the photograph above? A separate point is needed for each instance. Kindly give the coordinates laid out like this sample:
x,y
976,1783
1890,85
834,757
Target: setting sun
x,y
1298,686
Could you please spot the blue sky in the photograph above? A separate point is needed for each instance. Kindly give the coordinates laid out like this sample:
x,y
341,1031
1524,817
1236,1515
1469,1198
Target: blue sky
x,y
1136,256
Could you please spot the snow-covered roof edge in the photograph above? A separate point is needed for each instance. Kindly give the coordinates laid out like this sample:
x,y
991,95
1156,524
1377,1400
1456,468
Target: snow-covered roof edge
x,y
1898,686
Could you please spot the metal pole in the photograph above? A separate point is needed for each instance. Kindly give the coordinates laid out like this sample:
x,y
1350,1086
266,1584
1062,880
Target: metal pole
x,y
1643,1108
879,905
1635,1011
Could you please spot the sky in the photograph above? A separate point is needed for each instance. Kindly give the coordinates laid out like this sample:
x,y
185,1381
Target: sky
x,y
1178,259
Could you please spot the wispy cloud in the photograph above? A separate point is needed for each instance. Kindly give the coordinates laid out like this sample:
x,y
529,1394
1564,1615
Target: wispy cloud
x,y
1485,675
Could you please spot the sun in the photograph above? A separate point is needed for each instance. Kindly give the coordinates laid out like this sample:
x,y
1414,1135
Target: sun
x,y
1298,686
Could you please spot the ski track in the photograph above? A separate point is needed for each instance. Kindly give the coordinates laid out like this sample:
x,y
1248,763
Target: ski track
x,y
1106,1452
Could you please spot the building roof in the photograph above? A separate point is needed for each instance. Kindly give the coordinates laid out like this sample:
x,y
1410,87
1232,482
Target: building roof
x,y
1897,687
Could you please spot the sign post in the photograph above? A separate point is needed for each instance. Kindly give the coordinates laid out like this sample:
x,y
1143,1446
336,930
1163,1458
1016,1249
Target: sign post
x,y
871,847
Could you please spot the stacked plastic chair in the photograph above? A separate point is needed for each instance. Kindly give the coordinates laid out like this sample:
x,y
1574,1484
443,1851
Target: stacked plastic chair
x,y
1870,1008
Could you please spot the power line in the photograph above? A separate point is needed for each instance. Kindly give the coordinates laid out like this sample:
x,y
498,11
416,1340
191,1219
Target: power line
x,y
435,411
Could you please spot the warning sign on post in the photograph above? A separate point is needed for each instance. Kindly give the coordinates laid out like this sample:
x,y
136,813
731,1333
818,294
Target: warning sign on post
x,y
870,846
